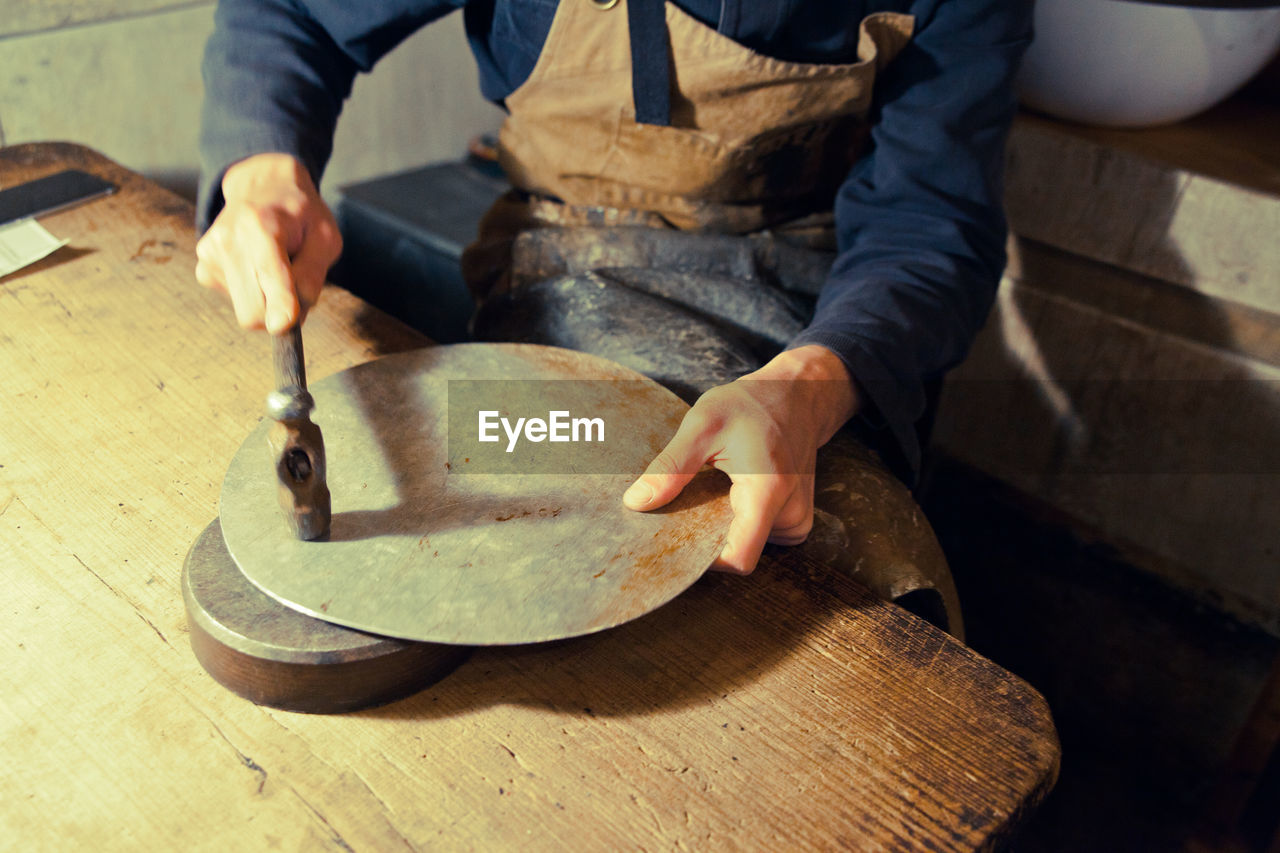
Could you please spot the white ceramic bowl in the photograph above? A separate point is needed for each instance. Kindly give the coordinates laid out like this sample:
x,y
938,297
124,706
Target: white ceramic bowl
x,y
1131,64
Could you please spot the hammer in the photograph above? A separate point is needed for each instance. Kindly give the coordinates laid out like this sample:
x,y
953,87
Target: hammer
x,y
297,448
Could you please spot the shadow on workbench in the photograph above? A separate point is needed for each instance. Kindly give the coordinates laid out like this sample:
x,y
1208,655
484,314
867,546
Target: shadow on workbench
x,y
711,640
1149,688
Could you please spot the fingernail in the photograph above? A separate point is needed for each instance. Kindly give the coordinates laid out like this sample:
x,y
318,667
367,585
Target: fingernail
x,y
276,320
639,494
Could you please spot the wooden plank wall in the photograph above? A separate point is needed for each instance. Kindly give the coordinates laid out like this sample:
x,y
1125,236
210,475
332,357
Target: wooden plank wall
x,y
1130,373
1196,204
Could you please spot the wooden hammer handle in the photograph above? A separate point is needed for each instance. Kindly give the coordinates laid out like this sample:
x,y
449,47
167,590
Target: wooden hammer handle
x,y
288,361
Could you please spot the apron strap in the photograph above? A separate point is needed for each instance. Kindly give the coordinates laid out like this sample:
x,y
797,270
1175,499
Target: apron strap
x,y
650,63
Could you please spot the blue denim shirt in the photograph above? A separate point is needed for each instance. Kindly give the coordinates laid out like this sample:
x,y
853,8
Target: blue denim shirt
x,y
920,223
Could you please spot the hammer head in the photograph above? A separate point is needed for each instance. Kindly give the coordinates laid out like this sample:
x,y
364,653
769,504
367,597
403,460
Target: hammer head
x,y
296,445
298,449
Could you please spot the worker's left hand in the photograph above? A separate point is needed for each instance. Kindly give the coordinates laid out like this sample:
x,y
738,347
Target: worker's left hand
x,y
764,431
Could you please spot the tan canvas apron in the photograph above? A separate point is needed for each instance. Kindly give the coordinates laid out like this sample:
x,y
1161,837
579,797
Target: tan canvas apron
x,y
754,143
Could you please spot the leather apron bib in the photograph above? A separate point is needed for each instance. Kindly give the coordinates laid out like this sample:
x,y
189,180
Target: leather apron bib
x,y
745,171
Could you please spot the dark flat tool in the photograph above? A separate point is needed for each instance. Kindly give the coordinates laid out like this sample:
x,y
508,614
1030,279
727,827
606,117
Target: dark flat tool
x,y
297,447
271,655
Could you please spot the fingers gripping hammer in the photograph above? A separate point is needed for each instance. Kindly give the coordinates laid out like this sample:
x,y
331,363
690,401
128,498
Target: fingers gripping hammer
x,y
297,447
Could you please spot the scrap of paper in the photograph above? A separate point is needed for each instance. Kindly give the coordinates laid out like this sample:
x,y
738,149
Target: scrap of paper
x,y
24,242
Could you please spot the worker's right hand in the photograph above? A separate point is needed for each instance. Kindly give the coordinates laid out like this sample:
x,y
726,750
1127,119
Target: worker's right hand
x,y
272,244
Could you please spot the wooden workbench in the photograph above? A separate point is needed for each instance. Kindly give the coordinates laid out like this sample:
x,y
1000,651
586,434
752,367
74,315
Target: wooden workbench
x,y
785,710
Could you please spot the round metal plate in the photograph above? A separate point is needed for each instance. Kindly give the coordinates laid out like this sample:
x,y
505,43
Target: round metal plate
x,y
273,655
469,544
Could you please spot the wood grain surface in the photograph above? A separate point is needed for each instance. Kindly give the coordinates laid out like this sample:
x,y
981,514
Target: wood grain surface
x,y
1157,249
785,710
1195,203
1157,438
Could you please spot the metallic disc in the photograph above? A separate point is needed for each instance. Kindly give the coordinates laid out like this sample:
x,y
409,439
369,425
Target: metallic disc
x,y
438,538
273,655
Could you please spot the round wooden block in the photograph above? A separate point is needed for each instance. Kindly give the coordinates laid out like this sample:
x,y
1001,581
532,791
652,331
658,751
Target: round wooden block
x,y
439,537
273,655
